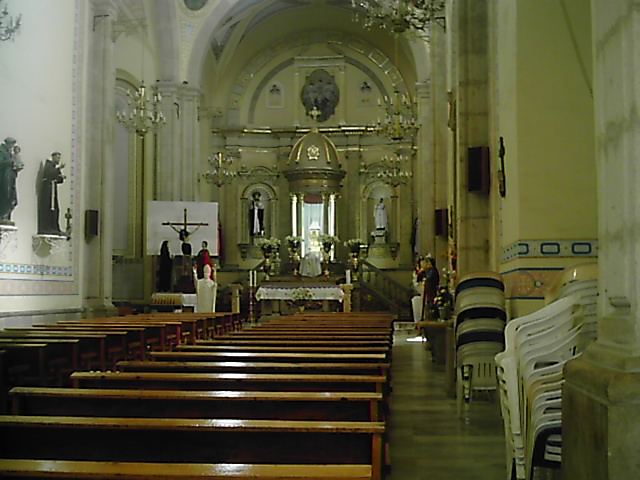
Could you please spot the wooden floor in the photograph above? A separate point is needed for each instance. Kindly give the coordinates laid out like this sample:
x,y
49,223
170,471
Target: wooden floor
x,y
428,441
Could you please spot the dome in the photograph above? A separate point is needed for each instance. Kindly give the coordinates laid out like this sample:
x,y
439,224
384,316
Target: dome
x,y
314,165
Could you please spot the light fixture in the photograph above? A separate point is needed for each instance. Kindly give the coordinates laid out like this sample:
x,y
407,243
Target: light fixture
x,y
394,170
399,121
144,114
222,170
8,28
412,17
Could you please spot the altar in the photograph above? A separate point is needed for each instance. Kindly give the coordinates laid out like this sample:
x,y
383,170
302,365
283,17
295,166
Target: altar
x,y
278,298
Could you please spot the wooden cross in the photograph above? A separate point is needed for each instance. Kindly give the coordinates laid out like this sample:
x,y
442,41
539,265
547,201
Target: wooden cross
x,y
68,216
184,225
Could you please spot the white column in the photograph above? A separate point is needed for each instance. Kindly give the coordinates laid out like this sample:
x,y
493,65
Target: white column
x,y
332,214
98,175
294,214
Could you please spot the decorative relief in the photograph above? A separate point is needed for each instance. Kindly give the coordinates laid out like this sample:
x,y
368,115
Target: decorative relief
x,y
529,283
550,248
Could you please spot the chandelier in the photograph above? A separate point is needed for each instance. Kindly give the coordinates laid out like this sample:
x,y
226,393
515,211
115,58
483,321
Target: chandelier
x,y
7,26
222,170
400,16
399,121
392,169
144,111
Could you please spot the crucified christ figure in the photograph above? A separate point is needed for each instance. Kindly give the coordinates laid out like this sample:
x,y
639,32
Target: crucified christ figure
x,y
182,229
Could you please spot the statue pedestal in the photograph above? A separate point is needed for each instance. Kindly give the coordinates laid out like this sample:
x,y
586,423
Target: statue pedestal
x,y
379,236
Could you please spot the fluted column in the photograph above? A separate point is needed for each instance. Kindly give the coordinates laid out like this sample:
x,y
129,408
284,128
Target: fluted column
x,y
98,174
424,168
601,402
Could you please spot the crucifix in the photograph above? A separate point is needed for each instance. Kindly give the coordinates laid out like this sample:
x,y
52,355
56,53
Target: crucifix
x,y
183,232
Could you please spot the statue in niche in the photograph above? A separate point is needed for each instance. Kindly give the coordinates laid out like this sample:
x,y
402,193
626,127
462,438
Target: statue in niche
x,y
256,215
380,215
10,165
320,95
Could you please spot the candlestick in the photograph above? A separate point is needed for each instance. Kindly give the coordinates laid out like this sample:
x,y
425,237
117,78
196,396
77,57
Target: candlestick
x,y
348,274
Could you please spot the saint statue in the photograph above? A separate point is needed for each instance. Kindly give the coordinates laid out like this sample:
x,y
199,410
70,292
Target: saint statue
x,y
380,215
206,289
10,166
256,215
48,207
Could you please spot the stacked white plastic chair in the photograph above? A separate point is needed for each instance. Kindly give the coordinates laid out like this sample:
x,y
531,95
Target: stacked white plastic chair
x,y
530,374
480,321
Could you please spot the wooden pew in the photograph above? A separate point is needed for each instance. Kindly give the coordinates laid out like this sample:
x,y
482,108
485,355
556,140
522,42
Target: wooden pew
x,y
231,381
194,440
255,367
61,356
97,347
334,406
292,347
84,470
159,334
244,356
285,342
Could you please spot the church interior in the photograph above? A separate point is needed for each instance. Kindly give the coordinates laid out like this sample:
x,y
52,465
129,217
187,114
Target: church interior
x,y
331,147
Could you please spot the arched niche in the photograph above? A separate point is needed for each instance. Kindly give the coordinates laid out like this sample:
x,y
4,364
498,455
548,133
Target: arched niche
x,y
372,194
269,199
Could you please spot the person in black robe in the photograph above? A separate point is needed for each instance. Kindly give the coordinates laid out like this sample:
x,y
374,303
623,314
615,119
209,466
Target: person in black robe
x,y
165,268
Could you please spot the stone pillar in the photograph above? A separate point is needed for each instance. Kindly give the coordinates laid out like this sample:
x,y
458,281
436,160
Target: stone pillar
x,y
471,86
178,143
98,175
423,181
601,402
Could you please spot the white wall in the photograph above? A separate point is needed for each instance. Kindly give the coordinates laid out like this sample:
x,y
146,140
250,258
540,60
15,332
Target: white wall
x,y
39,109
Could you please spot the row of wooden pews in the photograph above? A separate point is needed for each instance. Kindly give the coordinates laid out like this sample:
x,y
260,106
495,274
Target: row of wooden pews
x,y
301,397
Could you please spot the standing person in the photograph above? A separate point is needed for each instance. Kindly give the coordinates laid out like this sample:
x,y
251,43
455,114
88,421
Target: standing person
x,y
256,215
10,166
203,258
432,282
48,206
165,268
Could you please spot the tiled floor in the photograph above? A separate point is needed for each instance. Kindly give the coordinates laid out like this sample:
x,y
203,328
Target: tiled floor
x,y
428,440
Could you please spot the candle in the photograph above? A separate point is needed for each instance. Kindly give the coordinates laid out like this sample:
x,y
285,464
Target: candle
x,y
348,277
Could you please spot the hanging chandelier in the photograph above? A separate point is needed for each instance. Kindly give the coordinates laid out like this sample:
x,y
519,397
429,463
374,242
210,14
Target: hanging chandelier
x,y
8,28
400,16
144,114
222,169
399,121
394,170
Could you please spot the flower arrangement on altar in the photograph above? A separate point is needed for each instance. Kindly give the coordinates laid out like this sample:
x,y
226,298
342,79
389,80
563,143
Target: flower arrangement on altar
x,y
353,244
302,294
268,244
293,241
325,239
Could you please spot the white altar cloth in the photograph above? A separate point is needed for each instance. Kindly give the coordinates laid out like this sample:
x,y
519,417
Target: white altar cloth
x,y
272,292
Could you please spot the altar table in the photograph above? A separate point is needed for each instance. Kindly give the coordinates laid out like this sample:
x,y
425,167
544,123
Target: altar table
x,y
276,298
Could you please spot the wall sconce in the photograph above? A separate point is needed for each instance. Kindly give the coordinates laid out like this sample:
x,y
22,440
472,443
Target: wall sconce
x,y
8,28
